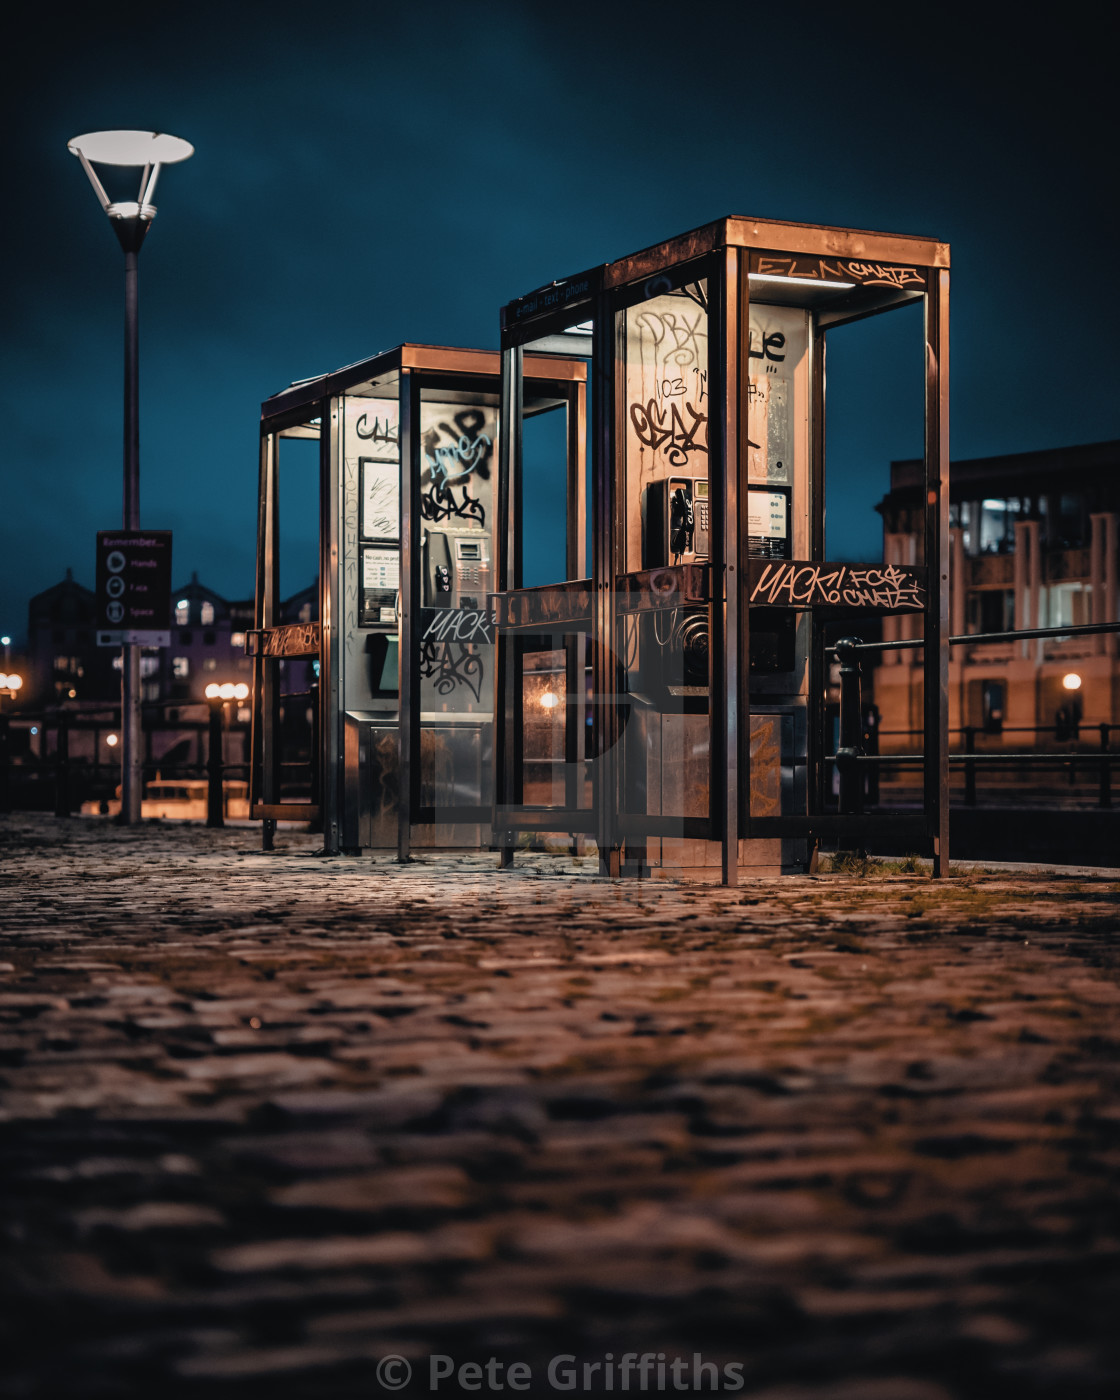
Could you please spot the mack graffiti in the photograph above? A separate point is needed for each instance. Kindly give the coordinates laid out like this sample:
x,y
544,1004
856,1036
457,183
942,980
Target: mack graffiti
x,y
793,584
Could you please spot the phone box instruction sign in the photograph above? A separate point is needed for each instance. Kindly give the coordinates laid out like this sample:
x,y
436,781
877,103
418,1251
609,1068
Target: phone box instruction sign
x,y
133,587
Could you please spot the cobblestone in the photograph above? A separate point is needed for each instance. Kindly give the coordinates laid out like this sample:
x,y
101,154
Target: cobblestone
x,y
265,1120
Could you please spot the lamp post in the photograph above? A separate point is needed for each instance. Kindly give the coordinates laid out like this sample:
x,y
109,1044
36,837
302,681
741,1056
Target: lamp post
x,y
218,697
130,221
9,686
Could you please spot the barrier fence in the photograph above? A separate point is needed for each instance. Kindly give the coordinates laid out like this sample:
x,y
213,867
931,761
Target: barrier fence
x,y
40,770
855,763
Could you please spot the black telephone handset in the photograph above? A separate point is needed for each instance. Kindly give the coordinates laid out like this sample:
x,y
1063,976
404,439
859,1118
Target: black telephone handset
x,y
438,550
682,523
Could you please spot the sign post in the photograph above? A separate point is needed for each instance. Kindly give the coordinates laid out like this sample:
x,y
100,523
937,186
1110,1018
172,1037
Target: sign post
x,y
133,588
133,611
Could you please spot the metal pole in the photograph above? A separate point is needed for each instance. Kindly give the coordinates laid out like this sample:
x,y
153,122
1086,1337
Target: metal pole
x,y
62,766
131,726
214,813
970,767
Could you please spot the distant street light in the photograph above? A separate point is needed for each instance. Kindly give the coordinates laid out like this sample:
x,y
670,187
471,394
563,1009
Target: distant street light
x,y
9,684
130,220
228,691
218,696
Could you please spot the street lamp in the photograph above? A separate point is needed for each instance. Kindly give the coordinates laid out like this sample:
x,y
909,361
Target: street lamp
x,y
130,221
218,696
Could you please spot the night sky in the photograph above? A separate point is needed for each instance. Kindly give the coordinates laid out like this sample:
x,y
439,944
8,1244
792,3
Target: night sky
x,y
369,174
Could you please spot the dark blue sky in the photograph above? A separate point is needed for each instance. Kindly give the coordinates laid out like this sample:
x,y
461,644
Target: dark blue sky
x,y
367,174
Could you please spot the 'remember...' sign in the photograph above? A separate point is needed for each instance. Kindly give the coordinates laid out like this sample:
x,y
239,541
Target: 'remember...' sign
x,y
134,587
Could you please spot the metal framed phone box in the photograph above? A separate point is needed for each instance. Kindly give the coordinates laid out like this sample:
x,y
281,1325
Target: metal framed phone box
x,y
693,660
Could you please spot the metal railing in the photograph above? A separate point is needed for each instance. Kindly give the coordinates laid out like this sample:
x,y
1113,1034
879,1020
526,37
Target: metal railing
x,y
852,761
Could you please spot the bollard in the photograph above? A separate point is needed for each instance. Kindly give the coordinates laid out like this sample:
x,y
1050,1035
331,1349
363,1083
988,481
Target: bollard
x,y
215,815
970,766
851,728
1104,798
62,766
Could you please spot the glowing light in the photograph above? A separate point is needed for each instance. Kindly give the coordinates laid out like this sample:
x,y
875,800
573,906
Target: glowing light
x,y
549,701
5,641
11,682
802,281
227,691
112,740
1072,681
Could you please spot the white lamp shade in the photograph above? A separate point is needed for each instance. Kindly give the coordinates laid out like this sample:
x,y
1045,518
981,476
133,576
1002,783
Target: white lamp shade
x,y
131,147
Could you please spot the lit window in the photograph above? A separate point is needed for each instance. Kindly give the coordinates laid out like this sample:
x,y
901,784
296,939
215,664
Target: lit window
x,y
210,663
207,614
305,613
149,666
237,641
182,612
180,667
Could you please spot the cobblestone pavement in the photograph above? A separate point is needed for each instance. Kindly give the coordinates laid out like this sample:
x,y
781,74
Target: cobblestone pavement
x,y
268,1119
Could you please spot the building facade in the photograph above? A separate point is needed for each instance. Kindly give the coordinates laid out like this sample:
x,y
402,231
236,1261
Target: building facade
x,y
65,665
1033,544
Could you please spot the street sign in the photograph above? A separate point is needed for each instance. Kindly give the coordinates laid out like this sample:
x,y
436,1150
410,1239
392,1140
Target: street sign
x,y
133,587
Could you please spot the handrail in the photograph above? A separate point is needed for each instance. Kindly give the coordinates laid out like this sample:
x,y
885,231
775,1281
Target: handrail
x,y
972,638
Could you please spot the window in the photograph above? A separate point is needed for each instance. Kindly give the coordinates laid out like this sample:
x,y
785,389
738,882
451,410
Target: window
x,y
305,613
237,641
149,666
1069,605
992,610
993,697
182,612
210,663
186,638
207,614
997,525
180,667
207,639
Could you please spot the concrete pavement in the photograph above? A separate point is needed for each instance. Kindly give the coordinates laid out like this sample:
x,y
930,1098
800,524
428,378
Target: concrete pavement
x,y
267,1121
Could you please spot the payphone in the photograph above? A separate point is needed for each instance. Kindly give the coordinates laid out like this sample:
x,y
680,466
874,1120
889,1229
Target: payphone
x,y
675,521
457,570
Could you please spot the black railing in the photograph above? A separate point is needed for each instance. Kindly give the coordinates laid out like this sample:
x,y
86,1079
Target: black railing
x,y
52,776
854,762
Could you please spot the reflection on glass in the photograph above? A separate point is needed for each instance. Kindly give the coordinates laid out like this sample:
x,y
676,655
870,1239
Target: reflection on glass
x,y
458,469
